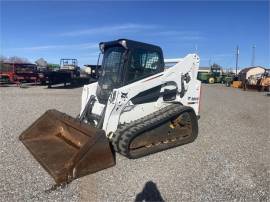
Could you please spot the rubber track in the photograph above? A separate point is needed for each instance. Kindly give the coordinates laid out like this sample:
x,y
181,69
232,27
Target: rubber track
x,y
128,131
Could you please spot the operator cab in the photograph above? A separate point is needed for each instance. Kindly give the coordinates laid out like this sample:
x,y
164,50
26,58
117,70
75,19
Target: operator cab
x,y
124,62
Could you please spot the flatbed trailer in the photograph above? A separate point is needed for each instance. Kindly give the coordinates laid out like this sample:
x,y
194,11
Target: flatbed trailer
x,y
67,81
65,77
69,73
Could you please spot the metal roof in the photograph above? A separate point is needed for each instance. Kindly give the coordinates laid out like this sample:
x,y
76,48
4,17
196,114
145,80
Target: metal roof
x,y
130,44
245,70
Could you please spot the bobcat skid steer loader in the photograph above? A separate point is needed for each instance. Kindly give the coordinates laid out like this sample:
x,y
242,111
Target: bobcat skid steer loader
x,y
136,108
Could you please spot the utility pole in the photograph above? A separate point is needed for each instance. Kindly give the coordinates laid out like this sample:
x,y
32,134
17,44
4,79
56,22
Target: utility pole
x,y
253,55
237,56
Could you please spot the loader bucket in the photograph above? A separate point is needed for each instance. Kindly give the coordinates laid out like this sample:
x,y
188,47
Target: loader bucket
x,y
66,147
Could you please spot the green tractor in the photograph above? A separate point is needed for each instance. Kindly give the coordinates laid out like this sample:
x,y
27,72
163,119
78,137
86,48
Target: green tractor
x,y
213,75
229,78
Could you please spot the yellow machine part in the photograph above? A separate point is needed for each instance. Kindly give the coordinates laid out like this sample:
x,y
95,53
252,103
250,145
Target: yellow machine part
x,y
237,84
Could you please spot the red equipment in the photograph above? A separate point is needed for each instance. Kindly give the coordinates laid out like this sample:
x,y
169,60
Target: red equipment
x,y
18,73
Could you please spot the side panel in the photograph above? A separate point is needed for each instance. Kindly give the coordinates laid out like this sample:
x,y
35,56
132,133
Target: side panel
x,y
88,90
192,96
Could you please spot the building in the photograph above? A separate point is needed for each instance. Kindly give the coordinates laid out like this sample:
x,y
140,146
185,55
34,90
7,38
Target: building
x,y
250,71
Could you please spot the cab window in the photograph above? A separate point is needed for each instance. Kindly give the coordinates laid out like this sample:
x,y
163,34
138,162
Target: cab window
x,y
143,63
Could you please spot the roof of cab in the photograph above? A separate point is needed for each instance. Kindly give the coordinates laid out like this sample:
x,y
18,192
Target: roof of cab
x,y
130,44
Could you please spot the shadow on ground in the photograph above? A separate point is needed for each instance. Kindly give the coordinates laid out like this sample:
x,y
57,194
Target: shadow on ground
x,y
65,87
21,85
149,193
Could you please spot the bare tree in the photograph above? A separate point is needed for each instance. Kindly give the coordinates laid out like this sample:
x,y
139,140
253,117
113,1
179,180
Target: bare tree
x,y
2,58
14,59
17,59
41,62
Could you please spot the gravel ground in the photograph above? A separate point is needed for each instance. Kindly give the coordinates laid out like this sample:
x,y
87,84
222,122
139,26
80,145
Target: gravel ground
x,y
22,178
229,160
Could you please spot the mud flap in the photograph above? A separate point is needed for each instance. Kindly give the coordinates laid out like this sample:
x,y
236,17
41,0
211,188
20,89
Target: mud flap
x,y
67,148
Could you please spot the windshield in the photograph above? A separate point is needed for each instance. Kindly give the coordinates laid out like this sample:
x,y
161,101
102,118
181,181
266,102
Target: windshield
x,y
113,60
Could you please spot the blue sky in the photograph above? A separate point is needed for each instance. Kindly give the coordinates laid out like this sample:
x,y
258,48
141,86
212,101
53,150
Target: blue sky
x,y
55,30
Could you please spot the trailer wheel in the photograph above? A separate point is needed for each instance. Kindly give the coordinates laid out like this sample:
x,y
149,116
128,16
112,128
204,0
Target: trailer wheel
x,y
228,84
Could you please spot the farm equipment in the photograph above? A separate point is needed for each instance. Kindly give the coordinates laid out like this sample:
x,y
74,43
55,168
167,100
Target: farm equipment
x,y
4,78
229,78
93,71
68,72
264,81
236,84
214,75
136,108
69,64
44,72
18,73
